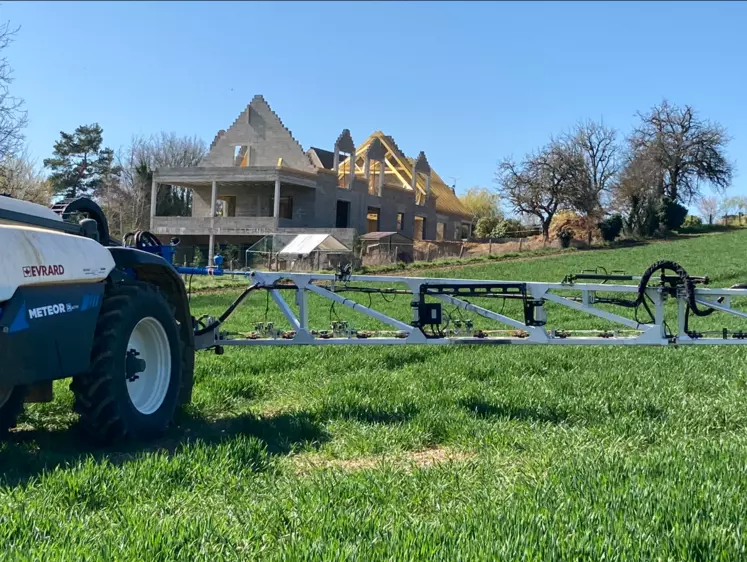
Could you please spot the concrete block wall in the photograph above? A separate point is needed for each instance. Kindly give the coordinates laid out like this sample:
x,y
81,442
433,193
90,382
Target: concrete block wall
x,y
359,209
256,201
201,201
303,206
325,206
251,201
393,202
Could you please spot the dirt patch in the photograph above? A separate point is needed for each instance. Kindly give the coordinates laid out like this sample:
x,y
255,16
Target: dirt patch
x,y
406,461
429,250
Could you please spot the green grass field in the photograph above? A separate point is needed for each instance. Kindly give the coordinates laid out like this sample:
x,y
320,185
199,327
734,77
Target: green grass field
x,y
413,453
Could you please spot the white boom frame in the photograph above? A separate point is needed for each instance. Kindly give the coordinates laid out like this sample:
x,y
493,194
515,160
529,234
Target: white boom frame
x,y
649,334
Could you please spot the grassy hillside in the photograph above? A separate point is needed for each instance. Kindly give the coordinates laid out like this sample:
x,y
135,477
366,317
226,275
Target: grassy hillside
x,y
504,452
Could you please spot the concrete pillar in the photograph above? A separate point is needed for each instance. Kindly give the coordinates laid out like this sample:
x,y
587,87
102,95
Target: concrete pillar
x,y
276,209
367,167
153,201
213,198
428,185
381,176
352,169
336,164
211,243
211,249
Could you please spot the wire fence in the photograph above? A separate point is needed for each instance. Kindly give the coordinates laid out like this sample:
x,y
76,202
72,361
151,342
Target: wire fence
x,y
266,256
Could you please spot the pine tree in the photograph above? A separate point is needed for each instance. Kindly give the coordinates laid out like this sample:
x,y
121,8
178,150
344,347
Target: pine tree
x,y
79,165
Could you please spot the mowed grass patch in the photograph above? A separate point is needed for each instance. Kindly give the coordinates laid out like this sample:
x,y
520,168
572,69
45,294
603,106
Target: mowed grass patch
x,y
412,453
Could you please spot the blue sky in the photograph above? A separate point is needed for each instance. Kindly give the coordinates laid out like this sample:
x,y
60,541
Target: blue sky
x,y
468,83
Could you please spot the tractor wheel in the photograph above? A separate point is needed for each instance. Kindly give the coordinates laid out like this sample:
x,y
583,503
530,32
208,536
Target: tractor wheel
x,y
11,406
132,387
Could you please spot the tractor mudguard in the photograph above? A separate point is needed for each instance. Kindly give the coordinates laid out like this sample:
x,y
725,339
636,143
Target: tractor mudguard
x,y
46,332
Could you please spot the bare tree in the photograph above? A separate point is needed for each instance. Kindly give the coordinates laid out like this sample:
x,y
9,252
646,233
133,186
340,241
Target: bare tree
x,y
634,194
688,150
128,198
708,207
169,150
740,203
13,118
726,208
595,145
20,178
541,184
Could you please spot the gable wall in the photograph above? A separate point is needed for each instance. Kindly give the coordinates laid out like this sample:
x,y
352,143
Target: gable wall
x,y
259,128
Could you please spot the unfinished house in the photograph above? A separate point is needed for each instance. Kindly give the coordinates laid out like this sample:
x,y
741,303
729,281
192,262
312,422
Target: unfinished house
x,y
258,180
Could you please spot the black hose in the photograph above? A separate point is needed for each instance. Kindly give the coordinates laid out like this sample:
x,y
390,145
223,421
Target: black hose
x,y
222,318
142,238
685,279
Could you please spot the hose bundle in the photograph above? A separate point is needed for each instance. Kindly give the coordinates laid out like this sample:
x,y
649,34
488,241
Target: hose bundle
x,y
141,239
685,280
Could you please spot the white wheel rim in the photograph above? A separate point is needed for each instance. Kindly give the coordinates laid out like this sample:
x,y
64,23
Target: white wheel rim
x,y
5,392
148,391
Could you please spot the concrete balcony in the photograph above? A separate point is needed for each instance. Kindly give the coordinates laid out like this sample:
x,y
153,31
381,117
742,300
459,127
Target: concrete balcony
x,y
185,226
241,226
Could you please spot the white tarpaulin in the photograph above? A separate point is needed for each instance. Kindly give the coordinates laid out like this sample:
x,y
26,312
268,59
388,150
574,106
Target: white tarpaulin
x,y
304,244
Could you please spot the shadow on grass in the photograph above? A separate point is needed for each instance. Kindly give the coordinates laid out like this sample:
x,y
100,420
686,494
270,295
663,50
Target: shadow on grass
x,y
29,453
653,412
486,410
398,358
709,228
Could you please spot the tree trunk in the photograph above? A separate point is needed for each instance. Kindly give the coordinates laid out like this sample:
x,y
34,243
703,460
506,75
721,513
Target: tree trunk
x,y
662,188
546,229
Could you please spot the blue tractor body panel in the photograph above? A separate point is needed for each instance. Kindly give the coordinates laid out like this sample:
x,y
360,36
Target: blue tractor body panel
x,y
46,332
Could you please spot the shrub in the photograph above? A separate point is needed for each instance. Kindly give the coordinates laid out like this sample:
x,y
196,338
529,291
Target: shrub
x,y
643,217
692,220
500,230
513,227
199,259
231,253
562,219
565,235
485,226
611,227
671,214
568,220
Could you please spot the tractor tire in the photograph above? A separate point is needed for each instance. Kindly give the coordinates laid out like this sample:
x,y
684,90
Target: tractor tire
x,y
11,405
131,390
